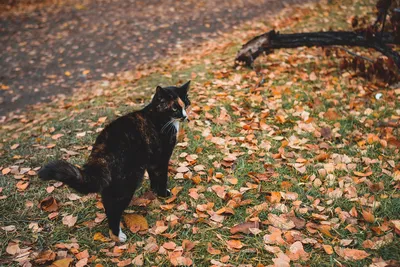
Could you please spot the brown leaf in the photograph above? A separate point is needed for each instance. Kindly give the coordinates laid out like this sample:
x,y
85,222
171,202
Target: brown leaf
x,y
169,245
244,227
296,252
100,237
351,254
82,262
49,204
22,185
188,245
13,248
138,260
136,222
368,216
56,136
331,114
5,171
82,255
275,237
69,220
234,244
275,197
45,256
328,249
66,262
281,221
212,250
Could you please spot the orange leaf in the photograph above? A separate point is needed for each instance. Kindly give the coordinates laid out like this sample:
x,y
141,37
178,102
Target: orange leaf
x,y
22,185
169,245
234,244
69,220
100,237
49,204
5,171
331,114
212,250
136,222
281,222
244,227
45,256
328,249
66,262
351,254
368,216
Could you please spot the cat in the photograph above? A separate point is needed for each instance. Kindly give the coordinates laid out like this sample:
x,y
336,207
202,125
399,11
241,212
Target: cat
x,y
124,150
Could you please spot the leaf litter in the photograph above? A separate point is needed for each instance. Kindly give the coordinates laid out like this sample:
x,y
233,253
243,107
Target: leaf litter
x,y
294,168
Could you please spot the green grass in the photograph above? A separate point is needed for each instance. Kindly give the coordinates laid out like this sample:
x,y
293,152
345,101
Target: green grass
x,y
33,131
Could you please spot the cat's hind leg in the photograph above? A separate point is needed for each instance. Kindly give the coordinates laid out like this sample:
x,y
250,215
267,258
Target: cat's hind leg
x,y
158,175
114,207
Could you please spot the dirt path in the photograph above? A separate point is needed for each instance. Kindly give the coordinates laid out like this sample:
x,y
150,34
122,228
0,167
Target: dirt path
x,y
51,51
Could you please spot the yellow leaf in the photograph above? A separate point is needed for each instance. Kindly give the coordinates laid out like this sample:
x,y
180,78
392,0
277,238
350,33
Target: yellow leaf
x,y
136,222
66,262
234,244
368,216
351,254
328,249
100,237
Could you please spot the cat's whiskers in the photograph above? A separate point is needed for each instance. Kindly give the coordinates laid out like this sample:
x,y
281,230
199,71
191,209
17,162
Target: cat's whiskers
x,y
169,126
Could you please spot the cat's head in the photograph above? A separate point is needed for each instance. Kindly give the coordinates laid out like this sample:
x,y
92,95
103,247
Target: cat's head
x,y
172,101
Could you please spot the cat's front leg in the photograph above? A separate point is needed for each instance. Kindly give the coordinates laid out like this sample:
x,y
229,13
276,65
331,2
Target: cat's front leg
x,y
158,174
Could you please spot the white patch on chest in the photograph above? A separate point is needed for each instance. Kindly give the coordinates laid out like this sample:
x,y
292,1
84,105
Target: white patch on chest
x,y
176,125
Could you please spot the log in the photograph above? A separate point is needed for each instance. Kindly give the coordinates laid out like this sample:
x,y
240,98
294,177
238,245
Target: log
x,y
271,40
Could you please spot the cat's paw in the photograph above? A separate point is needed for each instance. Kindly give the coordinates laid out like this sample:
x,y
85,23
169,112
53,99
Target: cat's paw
x,y
121,236
165,193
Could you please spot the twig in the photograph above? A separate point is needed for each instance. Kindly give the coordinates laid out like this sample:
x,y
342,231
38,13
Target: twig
x,y
355,54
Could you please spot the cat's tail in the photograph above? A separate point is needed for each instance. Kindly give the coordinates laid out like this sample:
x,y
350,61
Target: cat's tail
x,y
82,181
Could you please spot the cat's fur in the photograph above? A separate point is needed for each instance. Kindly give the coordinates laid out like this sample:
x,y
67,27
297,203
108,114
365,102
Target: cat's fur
x,y
124,150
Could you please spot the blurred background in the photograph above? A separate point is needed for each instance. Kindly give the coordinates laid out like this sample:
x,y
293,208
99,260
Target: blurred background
x,y
50,47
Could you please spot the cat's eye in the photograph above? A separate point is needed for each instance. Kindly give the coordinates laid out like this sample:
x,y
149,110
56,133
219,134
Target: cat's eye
x,y
174,108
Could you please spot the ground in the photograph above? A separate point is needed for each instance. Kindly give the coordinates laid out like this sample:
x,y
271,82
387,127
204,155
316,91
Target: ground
x,y
294,162
56,48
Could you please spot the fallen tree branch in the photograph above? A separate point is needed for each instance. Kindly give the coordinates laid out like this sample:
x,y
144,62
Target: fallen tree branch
x,y
269,41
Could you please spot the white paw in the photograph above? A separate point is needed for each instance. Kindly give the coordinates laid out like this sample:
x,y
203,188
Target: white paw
x,y
121,236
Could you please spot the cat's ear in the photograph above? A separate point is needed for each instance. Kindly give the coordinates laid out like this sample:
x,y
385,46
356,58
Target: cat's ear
x,y
182,90
161,93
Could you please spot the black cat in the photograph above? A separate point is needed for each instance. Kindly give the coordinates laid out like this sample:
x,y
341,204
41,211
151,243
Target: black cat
x,y
124,150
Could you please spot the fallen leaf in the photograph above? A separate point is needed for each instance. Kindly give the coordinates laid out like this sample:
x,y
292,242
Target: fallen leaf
x,y
13,248
351,254
281,221
5,171
368,216
45,256
136,222
244,227
138,260
296,252
212,250
100,237
22,185
66,262
328,249
69,220
234,244
57,136
49,204
169,245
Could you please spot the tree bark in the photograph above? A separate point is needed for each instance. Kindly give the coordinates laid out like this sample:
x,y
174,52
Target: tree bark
x,y
269,41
